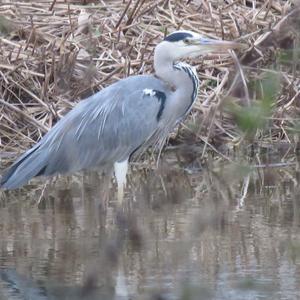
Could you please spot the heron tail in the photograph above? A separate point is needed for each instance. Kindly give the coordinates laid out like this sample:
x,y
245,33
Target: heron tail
x,y
29,165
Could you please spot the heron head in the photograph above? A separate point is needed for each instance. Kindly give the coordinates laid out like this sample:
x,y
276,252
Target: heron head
x,y
183,44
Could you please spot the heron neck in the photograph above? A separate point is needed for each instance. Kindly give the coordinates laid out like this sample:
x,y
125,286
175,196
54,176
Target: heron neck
x,y
177,79
180,77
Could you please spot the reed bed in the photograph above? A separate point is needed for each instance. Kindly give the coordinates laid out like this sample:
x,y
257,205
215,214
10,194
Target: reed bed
x,y
54,53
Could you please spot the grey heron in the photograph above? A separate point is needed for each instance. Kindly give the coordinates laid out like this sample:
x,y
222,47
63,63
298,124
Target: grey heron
x,y
106,129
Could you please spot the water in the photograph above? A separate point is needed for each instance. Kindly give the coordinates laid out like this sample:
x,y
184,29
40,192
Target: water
x,y
218,232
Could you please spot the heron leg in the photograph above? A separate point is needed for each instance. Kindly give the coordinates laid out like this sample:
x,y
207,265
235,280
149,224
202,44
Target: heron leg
x,y
120,174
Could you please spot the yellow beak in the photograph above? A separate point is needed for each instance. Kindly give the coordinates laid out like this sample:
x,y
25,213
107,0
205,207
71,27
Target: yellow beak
x,y
218,45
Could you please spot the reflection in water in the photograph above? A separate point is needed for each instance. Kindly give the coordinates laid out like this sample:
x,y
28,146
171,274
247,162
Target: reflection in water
x,y
219,233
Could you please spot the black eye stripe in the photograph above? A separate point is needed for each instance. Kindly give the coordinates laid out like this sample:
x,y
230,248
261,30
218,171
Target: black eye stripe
x,y
177,36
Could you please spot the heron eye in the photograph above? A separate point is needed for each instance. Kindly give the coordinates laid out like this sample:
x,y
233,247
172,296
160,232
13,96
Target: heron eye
x,y
187,41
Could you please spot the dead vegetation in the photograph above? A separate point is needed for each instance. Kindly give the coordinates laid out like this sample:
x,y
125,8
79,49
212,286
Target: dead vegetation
x,y
54,53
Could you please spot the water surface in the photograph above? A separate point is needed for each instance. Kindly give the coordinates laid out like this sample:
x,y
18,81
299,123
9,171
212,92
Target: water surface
x,y
219,231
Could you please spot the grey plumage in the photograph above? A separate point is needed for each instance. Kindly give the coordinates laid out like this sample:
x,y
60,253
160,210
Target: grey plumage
x,y
108,127
70,145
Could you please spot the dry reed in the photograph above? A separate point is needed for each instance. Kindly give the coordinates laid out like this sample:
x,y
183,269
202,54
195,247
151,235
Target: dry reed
x,y
54,53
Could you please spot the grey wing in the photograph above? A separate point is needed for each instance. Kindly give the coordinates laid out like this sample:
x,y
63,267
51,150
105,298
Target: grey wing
x,y
102,132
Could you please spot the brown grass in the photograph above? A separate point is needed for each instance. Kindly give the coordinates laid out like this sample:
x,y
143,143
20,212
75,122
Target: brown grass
x,y
54,53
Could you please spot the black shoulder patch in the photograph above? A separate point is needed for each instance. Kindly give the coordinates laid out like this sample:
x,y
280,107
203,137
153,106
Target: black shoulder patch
x,y
177,36
161,96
